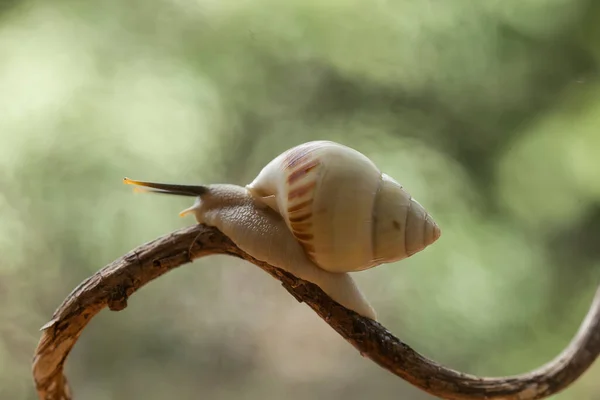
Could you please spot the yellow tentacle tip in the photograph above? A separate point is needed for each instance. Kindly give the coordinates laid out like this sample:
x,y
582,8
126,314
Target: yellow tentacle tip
x,y
137,188
188,211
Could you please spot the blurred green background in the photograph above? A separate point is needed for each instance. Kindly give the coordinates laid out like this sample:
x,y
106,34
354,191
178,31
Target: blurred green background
x,y
487,111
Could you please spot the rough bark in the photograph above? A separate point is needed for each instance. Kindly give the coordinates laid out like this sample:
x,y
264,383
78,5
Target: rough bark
x,y
112,285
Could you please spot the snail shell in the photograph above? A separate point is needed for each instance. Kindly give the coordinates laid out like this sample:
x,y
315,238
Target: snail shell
x,y
347,214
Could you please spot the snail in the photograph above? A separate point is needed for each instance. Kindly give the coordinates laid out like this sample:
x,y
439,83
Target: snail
x,y
319,210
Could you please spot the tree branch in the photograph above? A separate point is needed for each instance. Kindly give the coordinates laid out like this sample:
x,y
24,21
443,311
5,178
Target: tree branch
x,y
113,284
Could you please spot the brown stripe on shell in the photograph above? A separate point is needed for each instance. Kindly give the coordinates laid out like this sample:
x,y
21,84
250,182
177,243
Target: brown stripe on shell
x,y
300,206
302,170
302,226
303,236
301,162
299,218
308,246
301,191
297,155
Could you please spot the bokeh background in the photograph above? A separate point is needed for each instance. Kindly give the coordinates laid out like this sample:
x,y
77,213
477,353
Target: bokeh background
x,y
488,112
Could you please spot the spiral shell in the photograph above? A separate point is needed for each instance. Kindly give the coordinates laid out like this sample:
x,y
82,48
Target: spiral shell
x,y
347,215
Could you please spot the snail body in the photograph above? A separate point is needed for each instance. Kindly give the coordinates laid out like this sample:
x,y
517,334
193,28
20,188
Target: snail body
x,y
319,211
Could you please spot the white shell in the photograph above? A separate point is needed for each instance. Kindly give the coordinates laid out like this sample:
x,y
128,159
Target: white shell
x,y
347,215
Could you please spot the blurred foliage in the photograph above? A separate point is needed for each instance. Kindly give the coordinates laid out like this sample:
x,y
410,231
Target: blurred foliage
x,y
487,111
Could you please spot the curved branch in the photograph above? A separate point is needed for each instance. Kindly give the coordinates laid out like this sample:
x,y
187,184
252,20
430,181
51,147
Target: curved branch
x,y
113,284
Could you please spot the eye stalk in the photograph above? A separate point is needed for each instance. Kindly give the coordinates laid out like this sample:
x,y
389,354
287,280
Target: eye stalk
x,y
172,189
167,188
